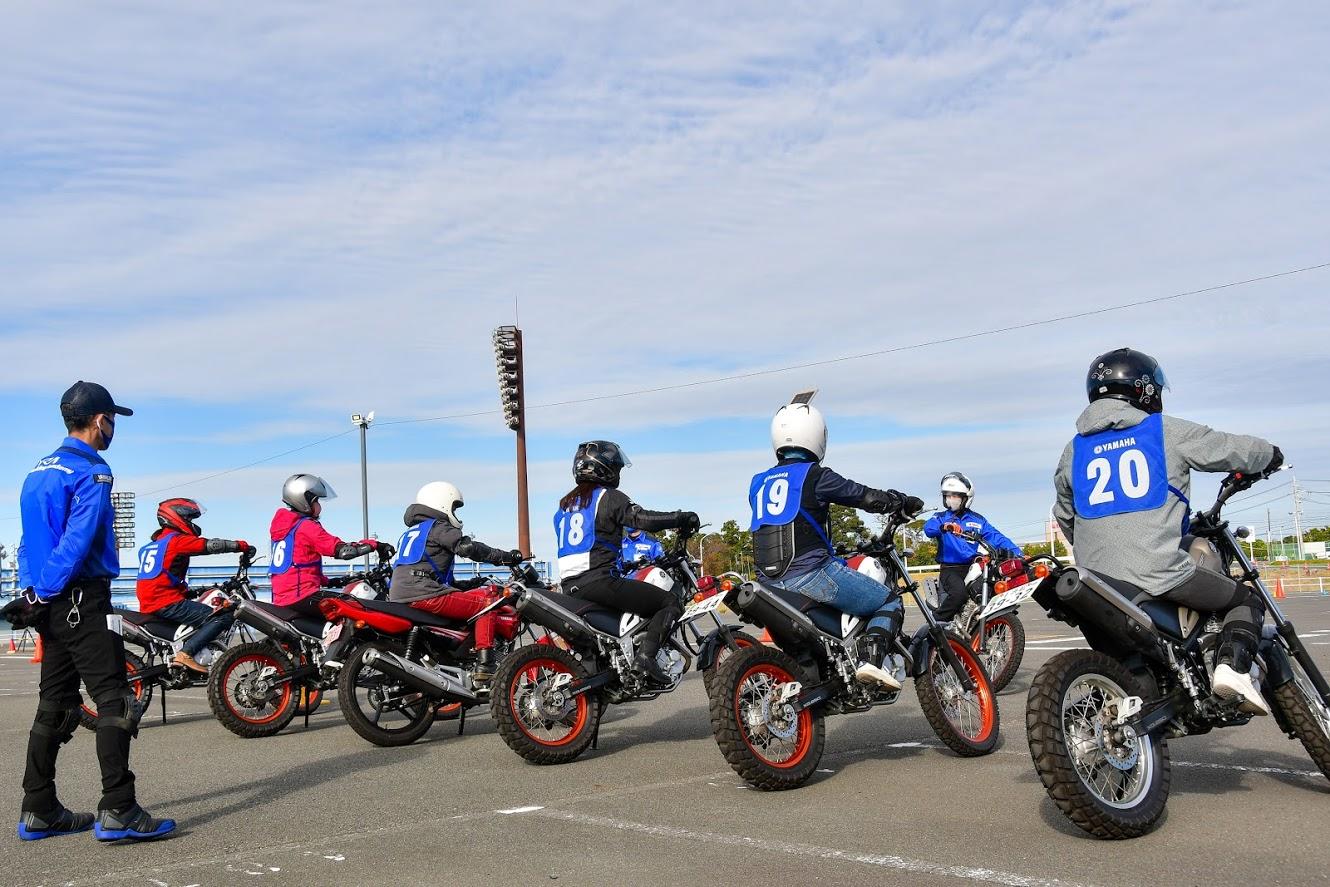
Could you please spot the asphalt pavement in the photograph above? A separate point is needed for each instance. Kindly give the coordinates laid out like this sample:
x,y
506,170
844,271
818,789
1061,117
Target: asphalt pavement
x,y
657,804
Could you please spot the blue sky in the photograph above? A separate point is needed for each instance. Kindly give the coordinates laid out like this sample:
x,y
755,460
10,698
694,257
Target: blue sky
x,y
250,226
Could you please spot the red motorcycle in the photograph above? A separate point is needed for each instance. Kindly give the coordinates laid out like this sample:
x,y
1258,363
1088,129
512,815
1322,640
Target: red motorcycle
x,y
403,665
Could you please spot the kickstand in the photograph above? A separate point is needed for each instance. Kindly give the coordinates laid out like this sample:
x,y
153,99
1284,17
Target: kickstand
x,y
306,695
163,705
461,720
595,738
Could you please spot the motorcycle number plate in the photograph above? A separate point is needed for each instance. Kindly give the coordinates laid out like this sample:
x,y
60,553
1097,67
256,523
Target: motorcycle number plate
x,y
1009,601
332,633
702,607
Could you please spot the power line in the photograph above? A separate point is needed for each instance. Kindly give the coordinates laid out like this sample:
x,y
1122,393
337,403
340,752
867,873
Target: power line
x,y
735,377
199,480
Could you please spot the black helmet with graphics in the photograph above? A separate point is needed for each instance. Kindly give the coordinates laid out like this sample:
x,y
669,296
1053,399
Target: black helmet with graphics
x,y
1130,375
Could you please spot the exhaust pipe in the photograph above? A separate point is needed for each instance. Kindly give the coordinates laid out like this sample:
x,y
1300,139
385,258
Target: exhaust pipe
x,y
544,611
772,613
426,680
267,623
1091,597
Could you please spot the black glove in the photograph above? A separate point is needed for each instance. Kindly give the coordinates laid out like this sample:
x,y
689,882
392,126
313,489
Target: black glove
x,y
249,551
26,611
385,550
339,581
1275,461
689,522
911,505
512,558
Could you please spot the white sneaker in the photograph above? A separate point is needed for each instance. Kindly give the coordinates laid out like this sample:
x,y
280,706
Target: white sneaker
x,y
1228,684
867,673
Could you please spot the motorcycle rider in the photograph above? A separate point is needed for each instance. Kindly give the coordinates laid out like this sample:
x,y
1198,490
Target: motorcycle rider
x,y
954,554
637,546
423,572
161,585
299,544
791,531
1122,500
589,525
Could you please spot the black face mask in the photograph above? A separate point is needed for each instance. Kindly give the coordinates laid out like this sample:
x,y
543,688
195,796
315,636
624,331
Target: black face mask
x,y
107,436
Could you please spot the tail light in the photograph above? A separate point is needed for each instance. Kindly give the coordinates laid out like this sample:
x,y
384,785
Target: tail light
x,y
1012,567
706,583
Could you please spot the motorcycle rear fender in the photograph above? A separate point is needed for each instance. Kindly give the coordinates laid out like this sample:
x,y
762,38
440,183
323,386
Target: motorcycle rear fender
x,y
711,645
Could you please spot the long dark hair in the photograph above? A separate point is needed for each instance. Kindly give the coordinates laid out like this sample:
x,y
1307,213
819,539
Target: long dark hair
x,y
579,496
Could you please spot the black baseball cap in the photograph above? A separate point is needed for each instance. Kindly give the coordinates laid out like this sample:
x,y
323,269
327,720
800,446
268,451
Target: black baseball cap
x,y
89,399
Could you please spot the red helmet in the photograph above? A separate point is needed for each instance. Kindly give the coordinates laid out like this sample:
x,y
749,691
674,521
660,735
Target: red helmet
x,y
180,514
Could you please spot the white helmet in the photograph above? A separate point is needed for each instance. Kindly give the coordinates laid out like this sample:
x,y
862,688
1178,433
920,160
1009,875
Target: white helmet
x,y
800,424
444,497
300,491
955,483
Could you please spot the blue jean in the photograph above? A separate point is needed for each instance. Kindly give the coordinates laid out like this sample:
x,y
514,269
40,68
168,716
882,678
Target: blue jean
x,y
849,591
211,623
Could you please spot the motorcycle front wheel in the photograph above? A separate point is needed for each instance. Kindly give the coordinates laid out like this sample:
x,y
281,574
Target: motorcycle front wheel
x,y
966,720
242,694
1106,779
1001,649
769,744
1308,717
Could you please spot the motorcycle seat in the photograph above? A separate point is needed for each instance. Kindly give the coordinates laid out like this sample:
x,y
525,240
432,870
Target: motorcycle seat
x,y
414,614
1162,612
152,624
306,625
598,616
825,617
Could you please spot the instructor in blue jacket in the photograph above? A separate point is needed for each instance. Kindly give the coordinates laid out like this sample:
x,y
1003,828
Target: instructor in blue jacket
x,y
66,560
954,554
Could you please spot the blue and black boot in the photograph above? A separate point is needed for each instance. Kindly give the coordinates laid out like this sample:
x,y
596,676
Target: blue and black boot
x,y
133,824
35,826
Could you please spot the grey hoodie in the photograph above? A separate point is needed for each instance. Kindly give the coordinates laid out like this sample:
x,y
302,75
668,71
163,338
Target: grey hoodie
x,y
1142,547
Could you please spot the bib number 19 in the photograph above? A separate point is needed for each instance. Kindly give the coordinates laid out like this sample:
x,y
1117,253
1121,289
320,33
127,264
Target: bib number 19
x,y
772,497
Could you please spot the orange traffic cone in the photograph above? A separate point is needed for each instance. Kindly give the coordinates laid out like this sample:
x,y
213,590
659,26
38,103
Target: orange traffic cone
x,y
13,648
1279,589
37,656
766,637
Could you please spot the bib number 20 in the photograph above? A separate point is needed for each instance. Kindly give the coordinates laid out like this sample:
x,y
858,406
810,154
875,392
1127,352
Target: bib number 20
x,y
1132,476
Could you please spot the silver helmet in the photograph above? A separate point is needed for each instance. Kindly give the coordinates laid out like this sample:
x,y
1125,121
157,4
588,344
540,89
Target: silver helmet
x,y
300,491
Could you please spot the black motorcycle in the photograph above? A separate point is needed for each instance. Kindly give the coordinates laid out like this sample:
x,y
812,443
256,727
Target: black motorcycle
x,y
548,697
255,689
160,639
769,704
1099,720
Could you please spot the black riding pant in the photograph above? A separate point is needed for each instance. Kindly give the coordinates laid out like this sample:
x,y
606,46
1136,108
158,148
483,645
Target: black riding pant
x,y
646,600
80,647
951,592
1213,592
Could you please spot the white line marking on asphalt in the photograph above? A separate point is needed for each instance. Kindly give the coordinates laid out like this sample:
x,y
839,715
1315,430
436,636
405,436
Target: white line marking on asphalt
x,y
1070,637
511,810
1315,774
906,745
899,863
1081,647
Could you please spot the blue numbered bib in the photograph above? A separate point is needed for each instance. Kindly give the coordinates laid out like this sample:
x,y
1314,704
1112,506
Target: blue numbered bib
x,y
1120,470
283,551
575,531
411,550
775,495
152,559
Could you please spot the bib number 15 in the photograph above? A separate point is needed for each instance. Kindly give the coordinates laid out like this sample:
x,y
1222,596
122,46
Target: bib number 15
x,y
1132,477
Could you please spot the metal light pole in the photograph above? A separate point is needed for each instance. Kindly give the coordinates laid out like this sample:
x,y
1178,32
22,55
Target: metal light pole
x,y
363,423
512,395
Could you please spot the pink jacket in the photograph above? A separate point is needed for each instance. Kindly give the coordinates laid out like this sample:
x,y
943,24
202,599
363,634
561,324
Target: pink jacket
x,y
312,543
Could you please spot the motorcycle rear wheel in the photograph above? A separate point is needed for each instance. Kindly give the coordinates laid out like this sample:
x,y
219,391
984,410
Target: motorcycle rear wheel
x,y
967,721
1307,716
361,692
228,697
142,691
1112,787
771,746
1008,632
535,719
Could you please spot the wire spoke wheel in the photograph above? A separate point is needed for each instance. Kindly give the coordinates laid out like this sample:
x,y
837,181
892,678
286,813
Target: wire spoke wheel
x,y
966,720
247,692
534,704
378,706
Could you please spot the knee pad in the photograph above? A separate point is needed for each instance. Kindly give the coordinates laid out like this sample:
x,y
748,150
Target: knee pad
x,y
56,720
894,615
120,713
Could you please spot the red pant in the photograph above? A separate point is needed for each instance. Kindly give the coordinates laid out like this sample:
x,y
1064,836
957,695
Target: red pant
x,y
464,605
